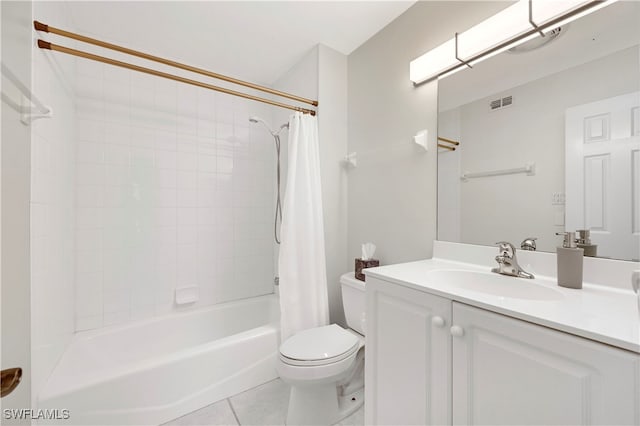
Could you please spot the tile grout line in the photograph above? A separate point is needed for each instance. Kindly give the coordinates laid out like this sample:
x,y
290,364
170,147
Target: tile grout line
x,y
233,411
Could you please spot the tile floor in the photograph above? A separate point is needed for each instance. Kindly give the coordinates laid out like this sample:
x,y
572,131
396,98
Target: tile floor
x,y
262,405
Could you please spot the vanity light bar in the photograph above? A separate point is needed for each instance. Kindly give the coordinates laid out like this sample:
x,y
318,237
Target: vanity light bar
x,y
514,25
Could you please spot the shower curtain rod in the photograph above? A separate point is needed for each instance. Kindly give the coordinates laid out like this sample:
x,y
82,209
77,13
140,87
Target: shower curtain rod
x,y
46,45
50,46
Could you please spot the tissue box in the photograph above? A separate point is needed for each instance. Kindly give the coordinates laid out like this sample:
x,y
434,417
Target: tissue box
x,y
363,264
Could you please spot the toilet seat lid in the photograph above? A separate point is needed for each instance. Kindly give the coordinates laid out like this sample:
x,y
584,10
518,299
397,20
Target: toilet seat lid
x,y
319,344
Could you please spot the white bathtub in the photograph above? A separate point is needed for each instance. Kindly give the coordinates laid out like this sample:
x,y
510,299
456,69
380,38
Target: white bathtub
x,y
155,370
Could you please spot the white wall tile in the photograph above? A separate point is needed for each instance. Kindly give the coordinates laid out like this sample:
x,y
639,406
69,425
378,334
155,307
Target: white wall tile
x,y
187,144
89,239
165,140
116,195
187,235
90,174
117,154
90,152
207,163
88,261
89,217
116,175
224,108
187,197
187,216
89,297
187,161
90,131
158,173
187,102
187,179
89,323
166,159
206,104
114,318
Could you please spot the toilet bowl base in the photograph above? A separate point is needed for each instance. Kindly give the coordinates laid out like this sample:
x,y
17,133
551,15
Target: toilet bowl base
x,y
313,405
349,404
320,405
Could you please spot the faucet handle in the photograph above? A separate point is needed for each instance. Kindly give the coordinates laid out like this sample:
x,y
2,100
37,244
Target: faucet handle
x,y
529,243
506,247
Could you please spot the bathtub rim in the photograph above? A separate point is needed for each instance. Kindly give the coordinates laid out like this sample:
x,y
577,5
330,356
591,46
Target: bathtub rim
x,y
120,370
180,313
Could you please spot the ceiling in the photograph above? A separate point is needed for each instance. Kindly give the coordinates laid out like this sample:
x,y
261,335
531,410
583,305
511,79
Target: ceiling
x,y
594,36
257,41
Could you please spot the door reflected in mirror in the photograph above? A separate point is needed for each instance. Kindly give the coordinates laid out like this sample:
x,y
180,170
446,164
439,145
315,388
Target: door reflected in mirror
x,y
549,140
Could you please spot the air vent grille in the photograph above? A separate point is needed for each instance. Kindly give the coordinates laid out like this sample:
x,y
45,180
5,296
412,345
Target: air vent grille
x,y
501,103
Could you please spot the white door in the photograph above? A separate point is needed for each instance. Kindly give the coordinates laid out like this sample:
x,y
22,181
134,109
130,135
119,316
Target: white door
x,y
408,356
507,371
603,173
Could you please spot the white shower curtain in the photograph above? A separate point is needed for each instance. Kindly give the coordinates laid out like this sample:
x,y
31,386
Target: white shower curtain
x,y
301,264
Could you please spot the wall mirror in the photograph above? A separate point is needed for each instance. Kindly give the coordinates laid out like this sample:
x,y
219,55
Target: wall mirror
x,y
549,139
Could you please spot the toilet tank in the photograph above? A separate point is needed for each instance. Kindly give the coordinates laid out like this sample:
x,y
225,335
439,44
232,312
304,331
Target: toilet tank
x,y
353,301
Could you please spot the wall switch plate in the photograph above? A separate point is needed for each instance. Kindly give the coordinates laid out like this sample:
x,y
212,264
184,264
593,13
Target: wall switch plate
x,y
557,199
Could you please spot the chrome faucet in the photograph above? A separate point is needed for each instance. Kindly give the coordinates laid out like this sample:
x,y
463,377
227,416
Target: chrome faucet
x,y
508,263
529,244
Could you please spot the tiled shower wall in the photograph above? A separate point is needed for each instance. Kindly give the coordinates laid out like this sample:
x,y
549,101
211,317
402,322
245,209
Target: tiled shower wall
x,y
52,213
174,188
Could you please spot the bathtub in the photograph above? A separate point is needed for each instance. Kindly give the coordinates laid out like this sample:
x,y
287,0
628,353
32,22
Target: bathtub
x,y
155,370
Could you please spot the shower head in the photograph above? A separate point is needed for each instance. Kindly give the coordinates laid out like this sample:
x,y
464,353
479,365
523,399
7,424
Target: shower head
x,y
256,119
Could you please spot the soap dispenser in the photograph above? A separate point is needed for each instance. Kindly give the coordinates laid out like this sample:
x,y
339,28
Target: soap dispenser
x,y
570,260
584,242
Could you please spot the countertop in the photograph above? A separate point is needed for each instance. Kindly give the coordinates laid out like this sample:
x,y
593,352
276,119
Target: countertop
x,y
601,313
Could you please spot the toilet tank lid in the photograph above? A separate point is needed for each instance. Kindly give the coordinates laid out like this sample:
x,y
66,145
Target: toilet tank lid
x,y
350,279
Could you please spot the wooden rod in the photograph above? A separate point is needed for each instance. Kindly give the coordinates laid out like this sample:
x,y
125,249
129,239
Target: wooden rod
x,y
450,148
448,140
39,26
46,45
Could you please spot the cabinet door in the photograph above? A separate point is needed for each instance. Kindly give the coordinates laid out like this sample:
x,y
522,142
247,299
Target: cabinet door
x,y
408,356
507,371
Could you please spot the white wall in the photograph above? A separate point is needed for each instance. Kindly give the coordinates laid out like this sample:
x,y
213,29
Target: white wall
x,y
52,203
392,192
15,186
322,74
332,131
512,208
174,188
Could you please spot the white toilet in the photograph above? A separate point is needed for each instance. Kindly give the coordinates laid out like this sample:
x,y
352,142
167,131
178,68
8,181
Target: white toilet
x,y
325,365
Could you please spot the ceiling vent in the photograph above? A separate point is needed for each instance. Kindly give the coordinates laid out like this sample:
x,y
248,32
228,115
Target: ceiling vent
x,y
500,103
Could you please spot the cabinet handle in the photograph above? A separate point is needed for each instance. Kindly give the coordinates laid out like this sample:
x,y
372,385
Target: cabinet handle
x,y
437,321
457,331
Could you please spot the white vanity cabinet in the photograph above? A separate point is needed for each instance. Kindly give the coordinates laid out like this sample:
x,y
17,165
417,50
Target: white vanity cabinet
x,y
508,371
408,356
480,367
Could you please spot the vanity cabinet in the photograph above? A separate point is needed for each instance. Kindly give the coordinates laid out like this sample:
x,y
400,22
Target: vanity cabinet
x,y
408,356
431,360
508,371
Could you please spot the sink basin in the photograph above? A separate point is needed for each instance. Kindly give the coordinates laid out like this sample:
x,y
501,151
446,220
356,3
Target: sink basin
x,y
494,284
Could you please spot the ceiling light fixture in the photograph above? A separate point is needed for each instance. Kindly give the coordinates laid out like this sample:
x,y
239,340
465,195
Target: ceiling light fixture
x,y
521,22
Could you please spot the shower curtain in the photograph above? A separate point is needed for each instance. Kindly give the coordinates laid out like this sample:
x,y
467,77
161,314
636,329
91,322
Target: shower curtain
x,y
301,264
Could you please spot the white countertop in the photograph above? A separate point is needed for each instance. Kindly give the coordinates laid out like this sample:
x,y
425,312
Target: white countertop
x,y
606,314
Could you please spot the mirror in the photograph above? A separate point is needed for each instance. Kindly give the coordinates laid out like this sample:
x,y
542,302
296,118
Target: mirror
x,y
549,140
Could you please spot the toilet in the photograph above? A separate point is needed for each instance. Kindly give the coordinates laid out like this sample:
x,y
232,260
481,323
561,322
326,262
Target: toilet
x,y
325,365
